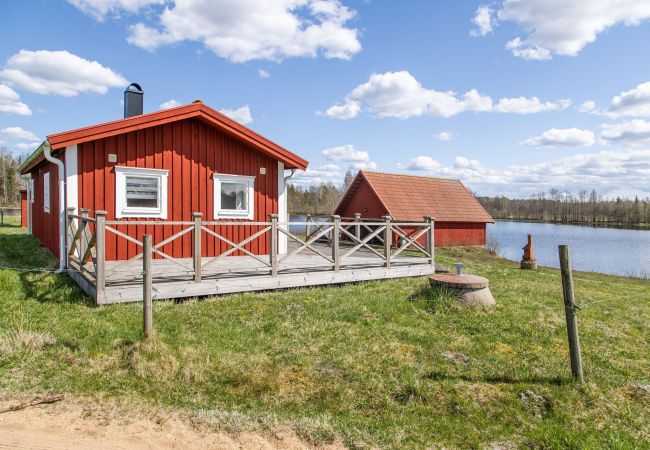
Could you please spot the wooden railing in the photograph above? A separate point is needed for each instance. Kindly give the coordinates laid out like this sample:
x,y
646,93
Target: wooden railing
x,y
86,242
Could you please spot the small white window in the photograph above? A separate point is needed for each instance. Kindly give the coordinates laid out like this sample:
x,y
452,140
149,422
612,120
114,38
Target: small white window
x,y
46,192
140,192
234,196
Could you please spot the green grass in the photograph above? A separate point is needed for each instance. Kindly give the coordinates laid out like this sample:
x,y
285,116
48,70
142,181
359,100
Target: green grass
x,y
362,362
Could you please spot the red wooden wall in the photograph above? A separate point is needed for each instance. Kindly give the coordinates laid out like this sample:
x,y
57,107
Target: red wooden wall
x,y
23,209
192,151
364,202
45,226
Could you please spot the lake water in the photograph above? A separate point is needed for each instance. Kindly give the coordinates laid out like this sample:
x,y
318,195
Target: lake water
x,y
606,250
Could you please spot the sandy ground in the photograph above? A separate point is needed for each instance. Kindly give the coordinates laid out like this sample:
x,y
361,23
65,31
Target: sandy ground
x,y
71,425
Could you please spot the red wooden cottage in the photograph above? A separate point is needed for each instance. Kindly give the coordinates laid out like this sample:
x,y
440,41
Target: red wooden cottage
x,y
162,165
459,217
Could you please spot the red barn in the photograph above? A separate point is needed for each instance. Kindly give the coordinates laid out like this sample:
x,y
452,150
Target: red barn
x,y
459,217
163,165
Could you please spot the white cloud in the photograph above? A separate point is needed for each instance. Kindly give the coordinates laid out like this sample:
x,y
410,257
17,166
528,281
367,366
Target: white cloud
x,y
562,137
565,27
263,73
445,136
484,20
19,134
401,95
169,104
58,73
525,105
356,159
327,173
27,145
248,30
241,115
588,106
10,102
633,133
635,102
608,172
99,9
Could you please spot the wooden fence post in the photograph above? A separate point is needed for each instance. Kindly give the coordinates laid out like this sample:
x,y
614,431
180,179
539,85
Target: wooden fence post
x,y
196,250
336,230
570,312
357,226
307,226
83,224
100,251
388,240
274,245
431,244
147,307
68,233
2,217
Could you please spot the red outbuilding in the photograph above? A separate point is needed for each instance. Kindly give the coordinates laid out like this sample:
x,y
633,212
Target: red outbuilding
x,y
459,217
163,165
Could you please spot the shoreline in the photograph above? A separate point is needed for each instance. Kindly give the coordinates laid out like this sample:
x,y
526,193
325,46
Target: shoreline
x,y
640,227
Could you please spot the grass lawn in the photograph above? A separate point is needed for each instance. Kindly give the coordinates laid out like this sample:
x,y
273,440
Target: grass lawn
x,y
361,363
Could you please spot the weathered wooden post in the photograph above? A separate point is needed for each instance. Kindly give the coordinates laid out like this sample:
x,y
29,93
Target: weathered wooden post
x,y
100,251
570,312
431,245
274,245
357,226
307,226
69,235
388,240
147,306
336,230
196,249
83,236
2,217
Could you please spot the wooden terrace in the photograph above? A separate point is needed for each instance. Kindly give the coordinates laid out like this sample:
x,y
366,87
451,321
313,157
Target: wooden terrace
x,y
332,252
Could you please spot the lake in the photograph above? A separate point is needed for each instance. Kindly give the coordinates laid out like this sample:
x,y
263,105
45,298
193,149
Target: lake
x,y
605,250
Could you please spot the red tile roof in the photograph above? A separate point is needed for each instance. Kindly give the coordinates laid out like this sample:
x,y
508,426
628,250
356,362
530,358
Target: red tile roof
x,y
410,198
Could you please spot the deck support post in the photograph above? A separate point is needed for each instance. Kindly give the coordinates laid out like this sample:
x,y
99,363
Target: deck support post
x,y
335,241
431,245
147,307
100,251
357,226
196,249
274,245
388,238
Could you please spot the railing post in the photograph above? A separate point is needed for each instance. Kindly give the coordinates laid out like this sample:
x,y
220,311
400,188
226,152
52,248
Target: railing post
x,y
100,250
335,241
388,240
274,245
431,245
307,226
196,251
83,224
357,226
147,307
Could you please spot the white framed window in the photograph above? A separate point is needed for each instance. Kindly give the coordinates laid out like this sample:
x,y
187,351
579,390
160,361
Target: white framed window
x,y
234,196
46,192
140,192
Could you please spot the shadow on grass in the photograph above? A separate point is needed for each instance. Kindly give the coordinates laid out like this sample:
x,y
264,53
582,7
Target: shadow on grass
x,y
498,379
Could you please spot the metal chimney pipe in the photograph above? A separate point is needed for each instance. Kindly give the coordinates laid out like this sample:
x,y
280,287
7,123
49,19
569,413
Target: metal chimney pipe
x,y
133,100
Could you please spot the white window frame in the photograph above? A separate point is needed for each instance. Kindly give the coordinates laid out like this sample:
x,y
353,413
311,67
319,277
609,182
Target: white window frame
x,y
122,211
219,213
46,192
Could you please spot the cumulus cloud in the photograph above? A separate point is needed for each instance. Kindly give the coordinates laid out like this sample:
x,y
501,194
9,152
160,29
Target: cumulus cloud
x,y
27,145
633,133
249,30
562,137
400,95
355,159
588,106
445,136
10,102
529,105
242,115
326,173
484,21
100,9
263,73
562,27
19,134
606,171
58,73
169,104
635,102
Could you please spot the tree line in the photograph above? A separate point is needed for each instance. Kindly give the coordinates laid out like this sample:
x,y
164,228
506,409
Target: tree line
x,y
566,207
10,180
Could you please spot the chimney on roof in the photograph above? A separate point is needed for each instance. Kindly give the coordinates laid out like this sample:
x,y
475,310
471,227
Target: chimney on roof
x,y
133,99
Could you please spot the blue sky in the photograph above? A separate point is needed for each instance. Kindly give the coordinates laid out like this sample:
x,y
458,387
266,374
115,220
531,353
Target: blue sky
x,y
492,93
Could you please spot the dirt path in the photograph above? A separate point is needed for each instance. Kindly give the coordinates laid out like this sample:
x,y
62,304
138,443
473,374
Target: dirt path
x,y
69,425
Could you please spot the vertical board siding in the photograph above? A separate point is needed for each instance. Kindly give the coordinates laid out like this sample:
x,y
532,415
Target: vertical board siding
x,y
45,226
192,152
453,233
